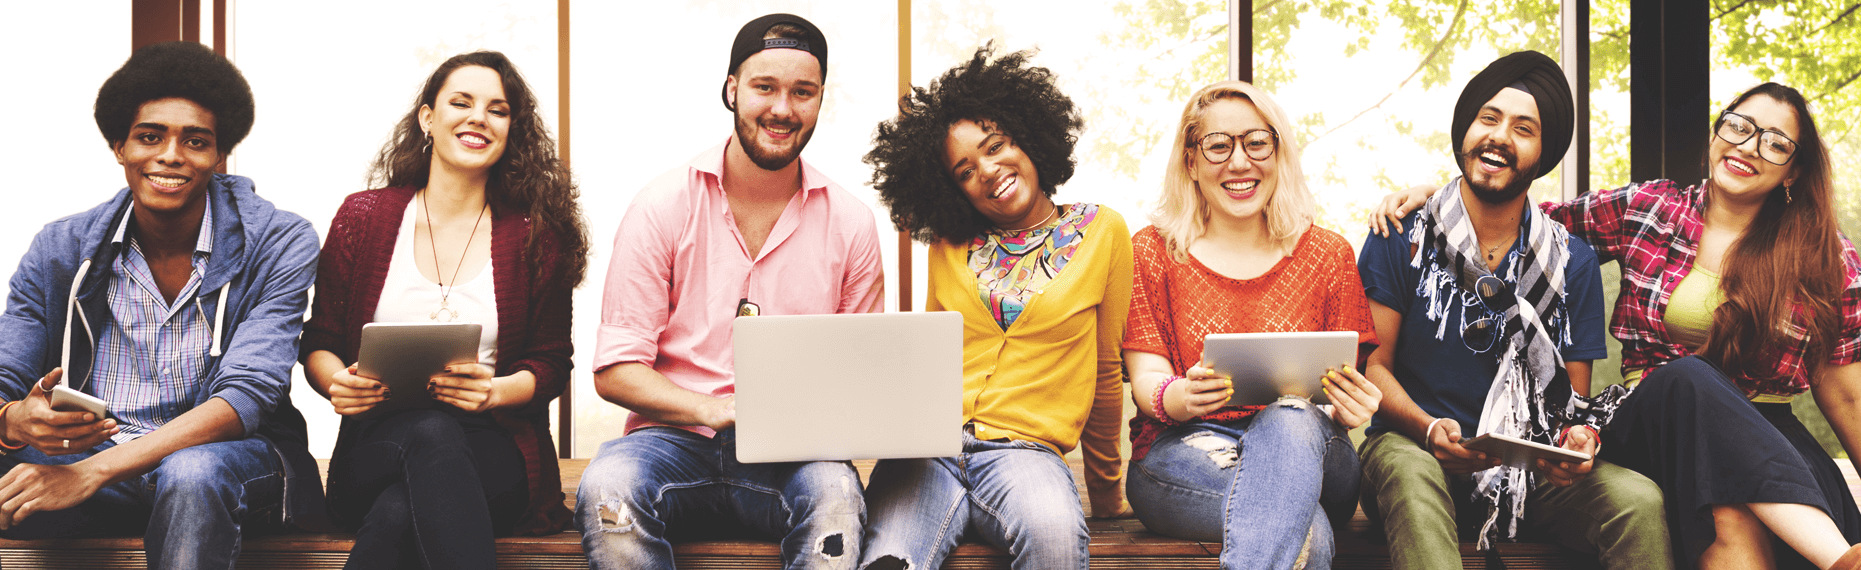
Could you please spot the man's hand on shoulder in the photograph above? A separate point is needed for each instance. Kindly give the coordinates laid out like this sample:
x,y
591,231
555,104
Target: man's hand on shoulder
x,y
33,422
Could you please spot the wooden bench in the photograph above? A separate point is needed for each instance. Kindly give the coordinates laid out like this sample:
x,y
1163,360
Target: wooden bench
x,y
1116,544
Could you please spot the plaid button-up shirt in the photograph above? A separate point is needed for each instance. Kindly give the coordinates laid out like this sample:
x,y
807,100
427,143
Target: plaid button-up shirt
x,y
152,355
1653,229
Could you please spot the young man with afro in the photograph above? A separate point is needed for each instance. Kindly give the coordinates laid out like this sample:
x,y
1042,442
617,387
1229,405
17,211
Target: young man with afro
x,y
178,302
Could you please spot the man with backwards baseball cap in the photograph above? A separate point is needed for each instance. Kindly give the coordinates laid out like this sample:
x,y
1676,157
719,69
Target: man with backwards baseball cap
x,y
1490,315
745,228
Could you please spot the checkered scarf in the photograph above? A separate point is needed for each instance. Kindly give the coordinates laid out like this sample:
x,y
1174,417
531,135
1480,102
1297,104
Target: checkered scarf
x,y
1527,347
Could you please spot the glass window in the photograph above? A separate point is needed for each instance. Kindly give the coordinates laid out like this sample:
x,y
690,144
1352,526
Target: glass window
x,y
1129,65
74,47
325,106
1373,86
646,80
1809,46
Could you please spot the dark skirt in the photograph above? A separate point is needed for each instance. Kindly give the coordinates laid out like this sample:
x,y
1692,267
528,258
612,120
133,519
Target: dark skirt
x,y
1690,429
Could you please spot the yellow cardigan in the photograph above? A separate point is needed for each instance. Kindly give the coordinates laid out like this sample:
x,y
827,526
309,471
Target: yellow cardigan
x,y
1057,373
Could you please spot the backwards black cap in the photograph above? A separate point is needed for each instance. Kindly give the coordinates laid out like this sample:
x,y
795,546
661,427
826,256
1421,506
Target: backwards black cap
x,y
1543,80
750,41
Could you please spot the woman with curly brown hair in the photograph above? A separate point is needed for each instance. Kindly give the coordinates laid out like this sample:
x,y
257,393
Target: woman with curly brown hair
x,y
477,221
970,166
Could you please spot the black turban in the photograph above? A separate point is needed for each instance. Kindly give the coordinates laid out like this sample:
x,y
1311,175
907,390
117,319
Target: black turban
x,y
750,41
1544,80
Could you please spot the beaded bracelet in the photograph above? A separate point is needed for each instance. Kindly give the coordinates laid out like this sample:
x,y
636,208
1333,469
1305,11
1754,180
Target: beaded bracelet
x,y
1156,402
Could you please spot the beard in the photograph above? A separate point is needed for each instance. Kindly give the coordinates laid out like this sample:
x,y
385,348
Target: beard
x,y
771,159
1482,184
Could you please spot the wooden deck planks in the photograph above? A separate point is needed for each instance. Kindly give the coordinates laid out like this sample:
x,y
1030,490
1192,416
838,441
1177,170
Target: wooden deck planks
x,y
1116,544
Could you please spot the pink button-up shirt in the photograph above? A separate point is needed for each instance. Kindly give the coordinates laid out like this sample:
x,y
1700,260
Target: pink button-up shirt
x,y
680,268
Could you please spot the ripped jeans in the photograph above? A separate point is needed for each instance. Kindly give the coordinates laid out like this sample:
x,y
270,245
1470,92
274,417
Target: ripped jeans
x,y
1263,486
659,484
1017,495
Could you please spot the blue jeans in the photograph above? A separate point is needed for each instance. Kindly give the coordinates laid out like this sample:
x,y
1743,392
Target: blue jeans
x,y
657,484
191,509
1265,486
1017,495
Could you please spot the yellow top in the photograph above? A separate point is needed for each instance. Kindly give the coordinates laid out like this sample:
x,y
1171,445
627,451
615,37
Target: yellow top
x,y
1689,310
1056,376
1689,318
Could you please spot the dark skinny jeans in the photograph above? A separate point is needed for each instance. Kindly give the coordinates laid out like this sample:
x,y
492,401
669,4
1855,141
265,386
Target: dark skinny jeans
x,y
427,489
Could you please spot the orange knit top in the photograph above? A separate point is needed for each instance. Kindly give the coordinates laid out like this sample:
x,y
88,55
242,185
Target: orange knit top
x,y
1174,304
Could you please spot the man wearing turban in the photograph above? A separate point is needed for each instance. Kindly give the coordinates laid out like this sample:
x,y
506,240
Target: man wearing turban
x,y
1490,316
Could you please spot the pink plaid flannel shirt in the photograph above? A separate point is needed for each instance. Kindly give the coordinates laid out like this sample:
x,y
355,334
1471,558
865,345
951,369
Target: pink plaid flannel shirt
x,y
1653,229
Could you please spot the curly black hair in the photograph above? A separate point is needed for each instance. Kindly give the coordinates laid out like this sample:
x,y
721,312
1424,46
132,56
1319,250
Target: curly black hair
x,y
529,179
186,70
908,151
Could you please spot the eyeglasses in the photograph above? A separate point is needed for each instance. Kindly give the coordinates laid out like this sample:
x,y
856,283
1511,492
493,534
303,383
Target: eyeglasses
x,y
1259,144
1772,144
1495,296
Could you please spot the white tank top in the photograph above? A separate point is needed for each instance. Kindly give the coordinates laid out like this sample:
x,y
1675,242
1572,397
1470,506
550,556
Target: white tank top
x,y
407,297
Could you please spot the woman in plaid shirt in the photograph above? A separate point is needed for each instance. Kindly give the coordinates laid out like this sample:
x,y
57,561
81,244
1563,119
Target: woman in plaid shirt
x,y
1737,294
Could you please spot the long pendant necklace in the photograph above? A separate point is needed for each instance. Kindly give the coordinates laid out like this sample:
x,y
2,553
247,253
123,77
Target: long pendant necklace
x,y
445,291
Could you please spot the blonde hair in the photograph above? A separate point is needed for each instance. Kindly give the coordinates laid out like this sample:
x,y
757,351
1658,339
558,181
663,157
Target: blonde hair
x,y
1182,214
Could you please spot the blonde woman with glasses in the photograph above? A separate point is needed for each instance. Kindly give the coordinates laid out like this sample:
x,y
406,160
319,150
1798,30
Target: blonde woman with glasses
x,y
1233,250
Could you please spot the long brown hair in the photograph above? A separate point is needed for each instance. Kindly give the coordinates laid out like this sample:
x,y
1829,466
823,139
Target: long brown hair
x,y
1787,269
529,178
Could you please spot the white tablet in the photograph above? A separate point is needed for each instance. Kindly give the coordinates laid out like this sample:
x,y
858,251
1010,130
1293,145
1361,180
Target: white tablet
x,y
403,356
1515,452
1266,366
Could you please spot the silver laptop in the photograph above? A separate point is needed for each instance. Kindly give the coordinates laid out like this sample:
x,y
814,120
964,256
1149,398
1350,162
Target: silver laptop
x,y
838,387
1267,365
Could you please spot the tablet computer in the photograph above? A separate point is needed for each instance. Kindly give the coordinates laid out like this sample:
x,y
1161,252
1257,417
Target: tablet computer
x,y
1265,366
402,356
1515,452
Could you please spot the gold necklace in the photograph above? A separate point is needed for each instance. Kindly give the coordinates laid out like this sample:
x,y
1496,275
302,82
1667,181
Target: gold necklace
x,y
1043,221
445,291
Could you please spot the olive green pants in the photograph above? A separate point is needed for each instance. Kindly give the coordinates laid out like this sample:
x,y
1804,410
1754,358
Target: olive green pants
x,y
1613,513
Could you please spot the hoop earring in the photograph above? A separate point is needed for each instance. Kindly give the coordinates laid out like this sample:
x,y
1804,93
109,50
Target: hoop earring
x,y
428,147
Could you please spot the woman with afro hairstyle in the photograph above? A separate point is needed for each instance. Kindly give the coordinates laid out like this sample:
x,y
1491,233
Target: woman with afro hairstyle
x,y
970,166
1233,250
477,222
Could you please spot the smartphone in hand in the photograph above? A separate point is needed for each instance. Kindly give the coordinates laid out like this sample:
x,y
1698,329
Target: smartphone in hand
x,y
65,399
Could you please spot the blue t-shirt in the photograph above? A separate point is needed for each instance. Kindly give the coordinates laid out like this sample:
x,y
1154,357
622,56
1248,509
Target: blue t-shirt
x,y
1443,376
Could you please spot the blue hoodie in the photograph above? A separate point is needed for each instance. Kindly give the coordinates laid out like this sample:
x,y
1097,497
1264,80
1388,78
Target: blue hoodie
x,y
264,262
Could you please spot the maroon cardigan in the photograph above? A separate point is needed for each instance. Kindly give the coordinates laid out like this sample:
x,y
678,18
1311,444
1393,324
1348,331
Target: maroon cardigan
x,y
533,325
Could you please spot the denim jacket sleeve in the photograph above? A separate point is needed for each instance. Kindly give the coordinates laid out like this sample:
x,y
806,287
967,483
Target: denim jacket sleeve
x,y
34,313
254,372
